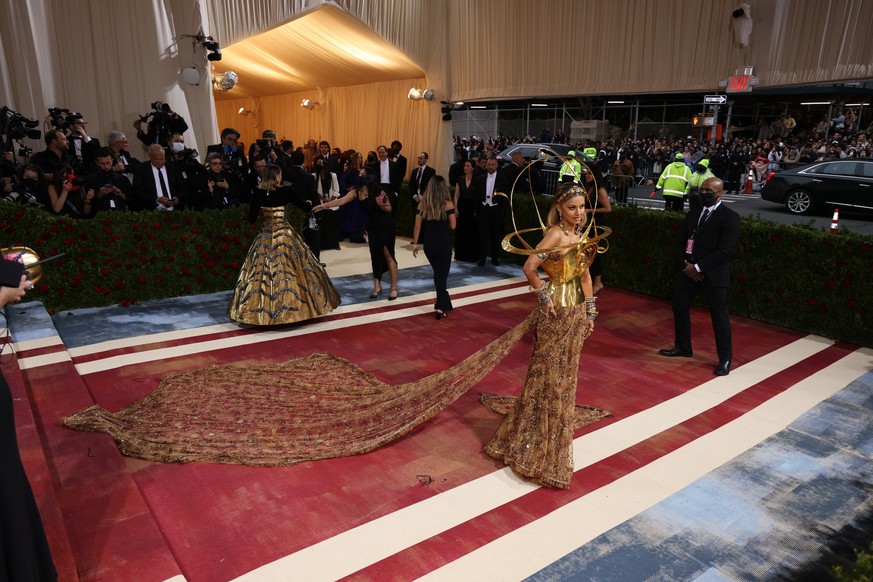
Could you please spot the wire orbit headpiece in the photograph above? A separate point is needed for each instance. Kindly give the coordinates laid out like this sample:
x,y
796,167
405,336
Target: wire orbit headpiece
x,y
591,236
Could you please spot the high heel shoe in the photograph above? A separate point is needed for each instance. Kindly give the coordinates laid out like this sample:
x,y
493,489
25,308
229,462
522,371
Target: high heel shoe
x,y
375,293
439,314
393,295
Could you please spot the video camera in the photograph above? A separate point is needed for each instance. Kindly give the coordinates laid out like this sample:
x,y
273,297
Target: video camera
x,y
62,119
14,127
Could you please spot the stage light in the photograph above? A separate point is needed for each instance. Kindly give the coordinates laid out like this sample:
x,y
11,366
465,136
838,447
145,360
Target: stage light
x,y
224,82
421,94
308,104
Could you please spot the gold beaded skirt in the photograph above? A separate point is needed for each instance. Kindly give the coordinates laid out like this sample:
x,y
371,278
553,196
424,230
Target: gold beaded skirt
x,y
316,407
536,437
280,281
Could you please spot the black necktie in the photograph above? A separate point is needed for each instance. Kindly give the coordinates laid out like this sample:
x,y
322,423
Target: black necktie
x,y
164,189
704,215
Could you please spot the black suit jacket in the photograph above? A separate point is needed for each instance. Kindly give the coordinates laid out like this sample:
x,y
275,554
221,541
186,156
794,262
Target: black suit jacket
x,y
501,184
304,194
714,241
145,191
425,178
394,175
235,162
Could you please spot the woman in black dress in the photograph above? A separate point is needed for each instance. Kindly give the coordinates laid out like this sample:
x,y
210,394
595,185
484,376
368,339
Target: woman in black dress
x,y
378,205
466,237
24,551
435,216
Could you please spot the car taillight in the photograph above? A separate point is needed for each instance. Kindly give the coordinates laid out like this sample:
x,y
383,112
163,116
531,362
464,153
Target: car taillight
x,y
770,175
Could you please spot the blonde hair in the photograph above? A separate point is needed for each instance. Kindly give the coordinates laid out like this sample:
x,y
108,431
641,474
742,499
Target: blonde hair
x,y
565,192
269,176
433,201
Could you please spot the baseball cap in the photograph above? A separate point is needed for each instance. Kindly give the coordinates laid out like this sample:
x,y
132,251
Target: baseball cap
x,y
679,156
571,154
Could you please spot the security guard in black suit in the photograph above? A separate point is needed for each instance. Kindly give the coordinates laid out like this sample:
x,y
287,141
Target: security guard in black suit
x,y
707,239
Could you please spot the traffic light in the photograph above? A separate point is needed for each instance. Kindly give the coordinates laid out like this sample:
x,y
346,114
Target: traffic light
x,y
697,120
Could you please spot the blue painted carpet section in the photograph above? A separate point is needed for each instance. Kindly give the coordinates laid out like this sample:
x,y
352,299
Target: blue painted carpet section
x,y
763,516
83,327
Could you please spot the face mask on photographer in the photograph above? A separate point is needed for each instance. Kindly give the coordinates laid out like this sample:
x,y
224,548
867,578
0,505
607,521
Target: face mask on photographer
x,y
177,147
29,183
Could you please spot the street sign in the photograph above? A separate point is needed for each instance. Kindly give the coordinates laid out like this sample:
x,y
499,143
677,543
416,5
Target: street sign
x,y
714,99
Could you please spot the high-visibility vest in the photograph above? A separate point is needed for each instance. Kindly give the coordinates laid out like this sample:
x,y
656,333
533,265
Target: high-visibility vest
x,y
674,179
697,178
572,168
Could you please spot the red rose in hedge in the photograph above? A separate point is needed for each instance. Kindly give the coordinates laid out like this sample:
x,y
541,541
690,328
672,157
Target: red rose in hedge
x,y
119,284
42,288
141,279
104,271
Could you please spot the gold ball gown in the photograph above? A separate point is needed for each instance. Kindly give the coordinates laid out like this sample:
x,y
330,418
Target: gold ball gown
x,y
280,281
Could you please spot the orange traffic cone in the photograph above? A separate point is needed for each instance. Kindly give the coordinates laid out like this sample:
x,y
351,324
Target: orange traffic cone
x,y
751,179
835,227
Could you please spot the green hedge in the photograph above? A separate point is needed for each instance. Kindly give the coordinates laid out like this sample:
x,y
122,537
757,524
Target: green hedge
x,y
792,276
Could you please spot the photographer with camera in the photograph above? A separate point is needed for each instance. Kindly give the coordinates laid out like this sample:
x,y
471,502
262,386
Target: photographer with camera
x,y
13,128
161,123
111,190
27,189
234,157
222,187
80,152
266,147
54,156
66,196
122,162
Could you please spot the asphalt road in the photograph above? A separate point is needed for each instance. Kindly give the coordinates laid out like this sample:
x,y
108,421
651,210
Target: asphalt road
x,y
752,205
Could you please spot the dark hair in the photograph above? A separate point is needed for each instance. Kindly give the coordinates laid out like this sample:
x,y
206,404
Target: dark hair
x,y
323,142
51,135
396,143
103,153
229,130
32,168
297,157
371,182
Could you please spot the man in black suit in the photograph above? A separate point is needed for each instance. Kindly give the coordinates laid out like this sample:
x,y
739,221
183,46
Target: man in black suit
x,y
707,239
305,197
491,191
420,177
398,158
388,173
157,186
331,161
233,155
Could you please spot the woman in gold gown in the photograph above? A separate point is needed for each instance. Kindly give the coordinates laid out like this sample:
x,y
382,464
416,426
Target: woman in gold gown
x,y
321,406
280,281
536,437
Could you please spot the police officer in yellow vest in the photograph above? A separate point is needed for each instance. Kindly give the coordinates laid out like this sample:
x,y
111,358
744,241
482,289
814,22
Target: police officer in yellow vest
x,y
571,169
674,180
701,173
591,153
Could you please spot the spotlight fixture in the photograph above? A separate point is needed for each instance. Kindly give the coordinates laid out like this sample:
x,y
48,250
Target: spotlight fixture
x,y
308,104
224,82
421,94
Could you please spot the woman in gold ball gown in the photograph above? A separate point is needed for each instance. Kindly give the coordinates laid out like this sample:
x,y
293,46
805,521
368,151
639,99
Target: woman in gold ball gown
x,y
280,281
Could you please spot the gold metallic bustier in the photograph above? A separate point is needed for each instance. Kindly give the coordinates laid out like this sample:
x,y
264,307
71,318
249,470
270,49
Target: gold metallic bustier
x,y
564,273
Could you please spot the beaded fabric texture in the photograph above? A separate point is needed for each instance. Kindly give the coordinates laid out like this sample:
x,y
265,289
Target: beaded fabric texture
x,y
280,281
316,407
536,437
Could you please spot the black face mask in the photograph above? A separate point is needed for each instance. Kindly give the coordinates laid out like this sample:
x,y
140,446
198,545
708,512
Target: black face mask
x,y
708,198
29,183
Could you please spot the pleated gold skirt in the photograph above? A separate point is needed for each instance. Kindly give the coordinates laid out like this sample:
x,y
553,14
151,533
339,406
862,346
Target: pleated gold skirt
x,y
280,281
